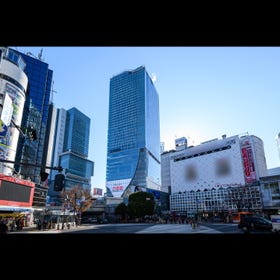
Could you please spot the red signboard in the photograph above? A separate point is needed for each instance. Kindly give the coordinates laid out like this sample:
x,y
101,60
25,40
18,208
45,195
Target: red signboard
x,y
248,164
15,191
117,188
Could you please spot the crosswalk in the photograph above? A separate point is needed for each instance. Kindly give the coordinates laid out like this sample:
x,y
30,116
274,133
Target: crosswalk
x,y
155,228
178,228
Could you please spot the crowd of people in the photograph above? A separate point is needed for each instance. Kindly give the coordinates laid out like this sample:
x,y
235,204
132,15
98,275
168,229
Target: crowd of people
x,y
11,224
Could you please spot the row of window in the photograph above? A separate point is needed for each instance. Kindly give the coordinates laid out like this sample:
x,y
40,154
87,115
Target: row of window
x,y
203,153
12,81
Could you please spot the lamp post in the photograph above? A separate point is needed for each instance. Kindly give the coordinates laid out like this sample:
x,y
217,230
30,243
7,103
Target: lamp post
x,y
81,202
75,205
64,205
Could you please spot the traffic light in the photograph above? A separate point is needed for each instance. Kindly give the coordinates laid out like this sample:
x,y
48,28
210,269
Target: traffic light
x,y
44,176
59,182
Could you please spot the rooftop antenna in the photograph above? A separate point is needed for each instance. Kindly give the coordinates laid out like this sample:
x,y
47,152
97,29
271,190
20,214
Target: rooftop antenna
x,y
40,54
52,91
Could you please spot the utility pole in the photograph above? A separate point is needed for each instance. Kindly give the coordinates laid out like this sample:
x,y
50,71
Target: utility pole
x,y
75,205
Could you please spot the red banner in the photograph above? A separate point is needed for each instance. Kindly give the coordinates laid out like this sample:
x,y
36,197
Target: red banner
x,y
248,164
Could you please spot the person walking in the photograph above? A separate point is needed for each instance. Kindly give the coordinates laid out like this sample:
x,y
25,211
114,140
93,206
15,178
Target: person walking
x,y
3,227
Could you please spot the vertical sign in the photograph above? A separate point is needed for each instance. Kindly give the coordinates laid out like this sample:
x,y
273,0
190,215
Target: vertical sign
x,y
248,162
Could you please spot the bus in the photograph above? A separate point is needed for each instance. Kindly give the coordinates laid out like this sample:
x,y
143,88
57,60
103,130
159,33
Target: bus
x,y
236,217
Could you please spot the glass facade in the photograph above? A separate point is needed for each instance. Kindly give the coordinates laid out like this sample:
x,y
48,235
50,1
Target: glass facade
x,y
78,169
77,132
35,115
133,147
15,58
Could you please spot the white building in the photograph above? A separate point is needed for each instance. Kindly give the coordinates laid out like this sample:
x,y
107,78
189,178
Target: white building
x,y
227,162
218,164
13,85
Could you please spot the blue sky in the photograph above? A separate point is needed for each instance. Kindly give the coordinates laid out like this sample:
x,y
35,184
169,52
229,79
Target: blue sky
x,y
204,92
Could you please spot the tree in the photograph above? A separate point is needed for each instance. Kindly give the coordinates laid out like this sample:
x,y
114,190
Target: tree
x,y
121,210
77,199
141,204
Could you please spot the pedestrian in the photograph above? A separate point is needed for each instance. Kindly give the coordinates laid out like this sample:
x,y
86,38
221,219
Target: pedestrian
x,y
39,224
3,227
13,225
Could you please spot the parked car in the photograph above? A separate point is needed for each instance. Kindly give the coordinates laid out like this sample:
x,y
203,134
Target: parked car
x,y
255,224
102,221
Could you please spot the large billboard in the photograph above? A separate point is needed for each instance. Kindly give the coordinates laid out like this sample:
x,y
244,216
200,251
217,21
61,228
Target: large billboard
x,y
117,187
16,192
97,191
216,164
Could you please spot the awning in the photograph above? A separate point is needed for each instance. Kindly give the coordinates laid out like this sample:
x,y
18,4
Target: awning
x,y
15,209
10,215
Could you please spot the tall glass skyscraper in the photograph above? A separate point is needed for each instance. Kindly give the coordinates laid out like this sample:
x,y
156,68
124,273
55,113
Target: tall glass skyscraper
x,y
68,146
78,169
133,147
35,115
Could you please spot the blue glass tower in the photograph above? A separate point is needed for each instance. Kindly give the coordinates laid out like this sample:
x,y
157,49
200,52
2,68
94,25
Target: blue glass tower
x,y
133,147
75,150
35,115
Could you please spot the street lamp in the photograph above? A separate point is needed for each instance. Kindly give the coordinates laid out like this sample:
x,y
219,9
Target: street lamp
x,y
75,205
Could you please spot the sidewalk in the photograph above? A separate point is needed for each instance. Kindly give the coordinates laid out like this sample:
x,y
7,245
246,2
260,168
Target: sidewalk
x,y
34,229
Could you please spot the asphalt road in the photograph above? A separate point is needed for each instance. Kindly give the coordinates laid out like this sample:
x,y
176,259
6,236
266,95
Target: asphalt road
x,y
143,228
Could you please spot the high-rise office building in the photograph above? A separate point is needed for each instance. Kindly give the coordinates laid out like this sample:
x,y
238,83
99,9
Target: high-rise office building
x,y
70,130
35,115
54,142
133,147
218,175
